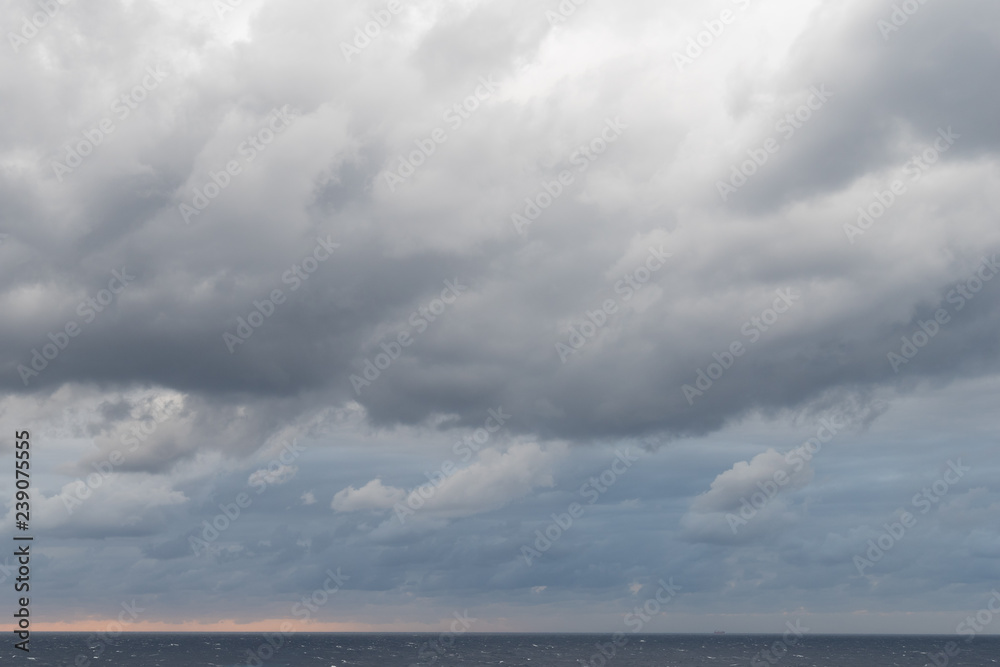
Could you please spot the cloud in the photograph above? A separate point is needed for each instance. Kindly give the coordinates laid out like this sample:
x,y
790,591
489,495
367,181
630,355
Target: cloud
x,y
98,508
372,496
496,479
452,219
745,478
148,372
276,475
744,503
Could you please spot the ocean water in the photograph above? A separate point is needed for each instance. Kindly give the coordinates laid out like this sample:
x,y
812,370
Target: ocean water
x,y
510,650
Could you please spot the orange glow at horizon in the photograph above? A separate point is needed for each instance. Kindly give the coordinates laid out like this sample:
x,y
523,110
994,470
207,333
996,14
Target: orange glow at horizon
x,y
112,626
228,625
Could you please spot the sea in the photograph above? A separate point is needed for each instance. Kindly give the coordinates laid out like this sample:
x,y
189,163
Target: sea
x,y
510,650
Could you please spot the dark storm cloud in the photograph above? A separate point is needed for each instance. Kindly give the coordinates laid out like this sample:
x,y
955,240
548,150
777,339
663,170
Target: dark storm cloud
x,y
496,346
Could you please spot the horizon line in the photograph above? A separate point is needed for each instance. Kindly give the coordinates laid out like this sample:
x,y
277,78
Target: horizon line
x,y
728,633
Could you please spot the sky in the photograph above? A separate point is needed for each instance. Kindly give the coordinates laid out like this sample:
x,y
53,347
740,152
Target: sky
x,y
562,316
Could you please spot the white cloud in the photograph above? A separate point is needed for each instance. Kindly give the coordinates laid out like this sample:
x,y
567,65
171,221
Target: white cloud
x,y
371,496
277,475
744,502
97,507
493,481
746,478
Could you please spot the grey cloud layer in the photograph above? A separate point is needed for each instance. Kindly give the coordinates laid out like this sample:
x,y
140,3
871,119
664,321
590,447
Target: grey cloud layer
x,y
496,346
709,316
